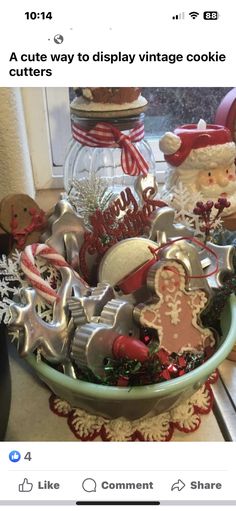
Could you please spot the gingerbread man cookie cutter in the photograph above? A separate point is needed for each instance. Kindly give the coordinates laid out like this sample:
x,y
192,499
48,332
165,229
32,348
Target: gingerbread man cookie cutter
x,y
174,311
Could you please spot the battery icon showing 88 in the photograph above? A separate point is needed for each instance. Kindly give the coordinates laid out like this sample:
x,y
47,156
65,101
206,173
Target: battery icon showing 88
x,y
210,15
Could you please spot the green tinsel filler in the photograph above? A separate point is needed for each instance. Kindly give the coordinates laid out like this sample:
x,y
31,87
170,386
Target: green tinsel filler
x,y
158,368
151,371
133,371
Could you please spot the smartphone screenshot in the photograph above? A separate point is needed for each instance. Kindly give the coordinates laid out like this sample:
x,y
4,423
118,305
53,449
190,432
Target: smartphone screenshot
x,y
117,255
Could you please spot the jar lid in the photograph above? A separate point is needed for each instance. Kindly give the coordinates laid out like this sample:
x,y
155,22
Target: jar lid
x,y
84,108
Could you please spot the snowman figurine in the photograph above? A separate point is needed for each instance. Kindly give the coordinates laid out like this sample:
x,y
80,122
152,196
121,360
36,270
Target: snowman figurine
x,y
201,157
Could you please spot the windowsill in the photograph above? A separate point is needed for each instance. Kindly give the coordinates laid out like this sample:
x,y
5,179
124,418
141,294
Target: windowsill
x,y
47,198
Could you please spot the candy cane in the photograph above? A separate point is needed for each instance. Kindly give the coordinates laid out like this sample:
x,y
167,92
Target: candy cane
x,y
27,264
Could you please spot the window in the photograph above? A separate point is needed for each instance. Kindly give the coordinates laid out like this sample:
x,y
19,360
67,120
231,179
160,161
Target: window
x,y
47,114
49,128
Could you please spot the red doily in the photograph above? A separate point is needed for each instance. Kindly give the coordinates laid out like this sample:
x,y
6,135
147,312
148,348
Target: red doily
x,y
151,428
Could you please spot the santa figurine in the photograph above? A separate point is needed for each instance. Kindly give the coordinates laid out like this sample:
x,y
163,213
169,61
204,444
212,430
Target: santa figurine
x,y
201,157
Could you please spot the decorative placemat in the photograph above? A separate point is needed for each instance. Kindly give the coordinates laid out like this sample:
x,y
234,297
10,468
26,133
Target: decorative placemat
x,y
151,428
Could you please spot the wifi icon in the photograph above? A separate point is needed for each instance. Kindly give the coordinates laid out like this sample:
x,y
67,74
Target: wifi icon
x,y
194,14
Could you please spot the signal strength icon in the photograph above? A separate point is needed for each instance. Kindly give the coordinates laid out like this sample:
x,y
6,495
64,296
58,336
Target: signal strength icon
x,y
179,16
194,14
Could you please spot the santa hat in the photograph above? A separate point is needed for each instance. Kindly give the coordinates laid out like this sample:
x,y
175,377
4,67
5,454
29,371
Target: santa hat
x,y
198,146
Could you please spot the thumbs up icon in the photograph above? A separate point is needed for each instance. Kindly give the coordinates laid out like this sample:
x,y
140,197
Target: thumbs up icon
x,y
26,486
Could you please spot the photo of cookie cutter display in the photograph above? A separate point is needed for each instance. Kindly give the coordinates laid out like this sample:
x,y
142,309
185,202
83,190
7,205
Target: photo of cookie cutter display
x,y
106,334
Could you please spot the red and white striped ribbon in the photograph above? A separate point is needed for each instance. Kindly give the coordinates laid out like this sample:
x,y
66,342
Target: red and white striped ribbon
x,y
106,135
28,266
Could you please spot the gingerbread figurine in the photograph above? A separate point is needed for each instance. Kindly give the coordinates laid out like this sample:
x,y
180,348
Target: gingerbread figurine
x,y
173,311
22,218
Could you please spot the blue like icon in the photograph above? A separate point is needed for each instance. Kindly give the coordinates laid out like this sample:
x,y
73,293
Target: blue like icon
x,y
14,456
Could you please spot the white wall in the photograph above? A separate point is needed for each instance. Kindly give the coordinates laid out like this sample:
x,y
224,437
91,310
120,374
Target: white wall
x,y
15,165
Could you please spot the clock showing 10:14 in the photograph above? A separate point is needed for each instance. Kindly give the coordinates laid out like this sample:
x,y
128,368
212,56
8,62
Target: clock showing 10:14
x,y
38,15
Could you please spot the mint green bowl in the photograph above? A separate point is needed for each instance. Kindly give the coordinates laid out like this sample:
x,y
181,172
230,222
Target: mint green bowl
x,y
135,402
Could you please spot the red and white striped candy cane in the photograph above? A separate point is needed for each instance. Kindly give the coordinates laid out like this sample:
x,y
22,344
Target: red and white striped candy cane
x,y
28,266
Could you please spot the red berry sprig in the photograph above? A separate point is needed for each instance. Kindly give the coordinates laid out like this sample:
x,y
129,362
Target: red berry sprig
x,y
221,204
204,212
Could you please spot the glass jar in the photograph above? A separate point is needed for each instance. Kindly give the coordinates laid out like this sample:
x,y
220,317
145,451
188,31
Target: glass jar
x,y
105,162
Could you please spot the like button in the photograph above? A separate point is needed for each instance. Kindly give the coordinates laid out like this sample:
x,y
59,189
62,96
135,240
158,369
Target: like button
x,y
25,486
